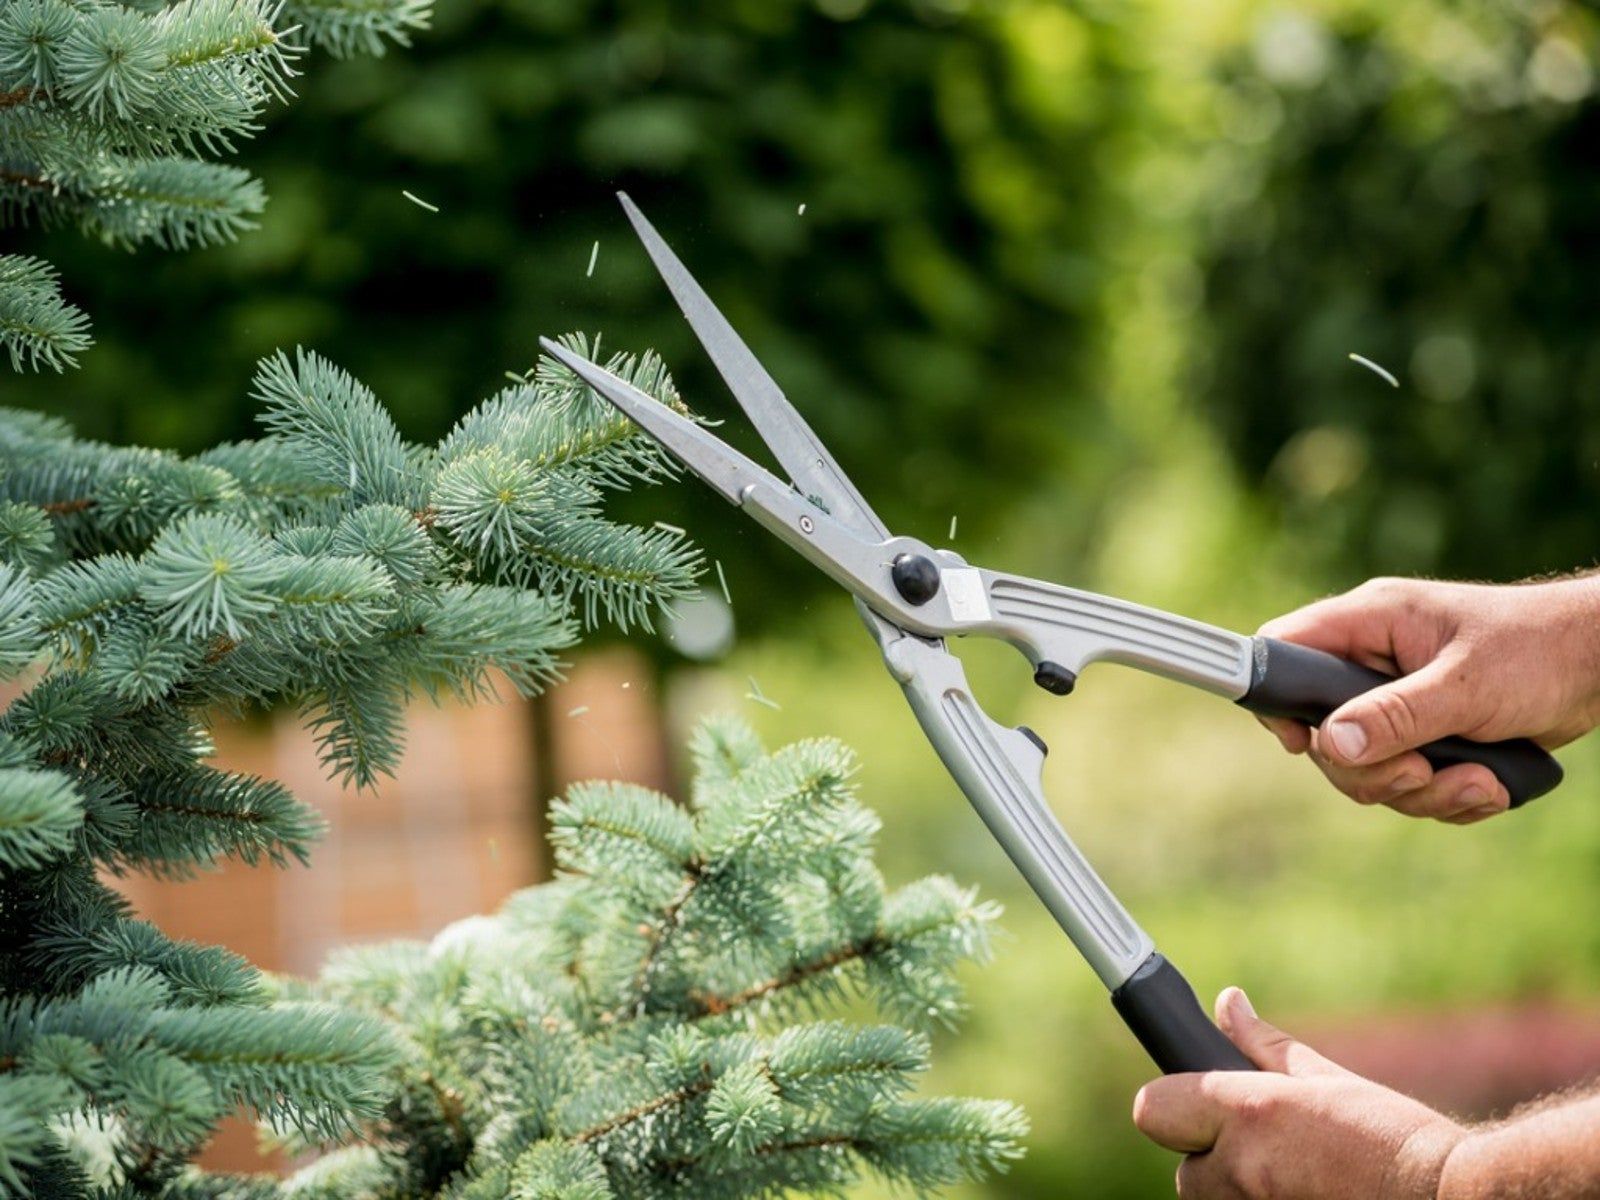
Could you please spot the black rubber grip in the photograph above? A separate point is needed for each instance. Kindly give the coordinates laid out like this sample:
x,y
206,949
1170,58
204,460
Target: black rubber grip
x,y
1160,1007
1296,681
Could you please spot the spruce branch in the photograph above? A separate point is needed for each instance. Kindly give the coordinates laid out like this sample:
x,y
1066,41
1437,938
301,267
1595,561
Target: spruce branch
x,y
563,1093
345,28
38,328
196,819
40,813
111,115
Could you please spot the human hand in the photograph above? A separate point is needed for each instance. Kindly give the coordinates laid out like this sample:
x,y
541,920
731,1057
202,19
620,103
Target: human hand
x,y
1303,1128
1485,662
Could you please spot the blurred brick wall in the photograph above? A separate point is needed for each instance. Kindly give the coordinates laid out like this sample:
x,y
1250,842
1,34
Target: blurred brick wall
x,y
1475,1063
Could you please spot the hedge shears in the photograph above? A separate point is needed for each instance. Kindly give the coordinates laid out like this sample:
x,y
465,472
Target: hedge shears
x,y
912,597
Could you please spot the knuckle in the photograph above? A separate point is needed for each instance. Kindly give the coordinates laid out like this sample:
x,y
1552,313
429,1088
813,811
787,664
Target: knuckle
x,y
1257,1107
1367,792
1394,714
1385,587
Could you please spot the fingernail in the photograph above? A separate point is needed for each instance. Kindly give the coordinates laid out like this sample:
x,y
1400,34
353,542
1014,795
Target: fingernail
x,y
1240,1004
1472,797
1488,810
1404,784
1348,738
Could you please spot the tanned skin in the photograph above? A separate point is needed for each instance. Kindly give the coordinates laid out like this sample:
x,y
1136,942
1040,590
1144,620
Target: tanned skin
x,y
1485,662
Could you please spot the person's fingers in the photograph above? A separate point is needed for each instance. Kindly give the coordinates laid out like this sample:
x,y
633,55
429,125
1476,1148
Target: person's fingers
x,y
1460,789
1381,783
1473,816
1358,625
1296,738
1179,1112
1428,704
1269,1047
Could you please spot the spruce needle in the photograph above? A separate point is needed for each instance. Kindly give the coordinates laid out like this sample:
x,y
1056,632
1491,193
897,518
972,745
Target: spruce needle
x,y
419,202
755,694
723,580
953,520
677,529
579,711
1376,369
594,257
802,210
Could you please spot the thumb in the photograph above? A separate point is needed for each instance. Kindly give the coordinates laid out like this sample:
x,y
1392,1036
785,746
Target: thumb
x,y
1266,1045
1415,709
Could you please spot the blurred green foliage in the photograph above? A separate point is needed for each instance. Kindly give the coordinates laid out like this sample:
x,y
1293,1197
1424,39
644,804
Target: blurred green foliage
x,y
1415,183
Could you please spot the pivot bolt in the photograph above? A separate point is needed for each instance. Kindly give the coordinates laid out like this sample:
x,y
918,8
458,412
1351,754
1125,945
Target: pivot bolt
x,y
916,578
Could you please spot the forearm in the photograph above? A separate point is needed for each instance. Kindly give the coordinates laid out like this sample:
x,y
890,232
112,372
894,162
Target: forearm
x,y
1550,1154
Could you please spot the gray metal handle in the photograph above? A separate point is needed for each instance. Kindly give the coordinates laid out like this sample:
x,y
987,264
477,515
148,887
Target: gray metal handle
x,y
999,771
1069,629
1062,627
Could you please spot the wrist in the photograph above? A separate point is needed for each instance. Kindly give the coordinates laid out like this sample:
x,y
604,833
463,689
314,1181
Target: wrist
x,y
1419,1166
1576,621
1461,1175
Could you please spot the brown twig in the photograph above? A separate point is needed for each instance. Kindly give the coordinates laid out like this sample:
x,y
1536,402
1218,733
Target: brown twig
x,y
221,646
638,1113
22,178
22,95
65,508
451,1108
670,921
713,1006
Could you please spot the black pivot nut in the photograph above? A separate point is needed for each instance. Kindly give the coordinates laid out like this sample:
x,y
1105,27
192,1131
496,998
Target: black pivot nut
x,y
1055,679
916,578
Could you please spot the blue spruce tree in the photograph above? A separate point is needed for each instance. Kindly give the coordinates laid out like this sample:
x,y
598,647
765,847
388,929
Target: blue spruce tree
x,y
628,1031
111,115
329,565
647,1025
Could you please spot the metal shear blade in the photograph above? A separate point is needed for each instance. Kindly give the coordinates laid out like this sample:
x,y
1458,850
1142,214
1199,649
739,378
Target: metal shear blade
x,y
709,457
791,440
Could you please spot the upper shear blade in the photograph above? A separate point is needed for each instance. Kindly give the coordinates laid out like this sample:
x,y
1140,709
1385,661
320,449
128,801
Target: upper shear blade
x,y
801,452
713,460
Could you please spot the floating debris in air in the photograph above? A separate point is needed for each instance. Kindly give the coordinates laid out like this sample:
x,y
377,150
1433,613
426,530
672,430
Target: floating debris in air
x,y
1376,369
579,711
594,257
755,694
953,520
802,210
723,580
420,202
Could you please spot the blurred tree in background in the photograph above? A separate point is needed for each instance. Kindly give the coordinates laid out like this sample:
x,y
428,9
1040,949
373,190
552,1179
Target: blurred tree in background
x,y
931,309
1420,180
